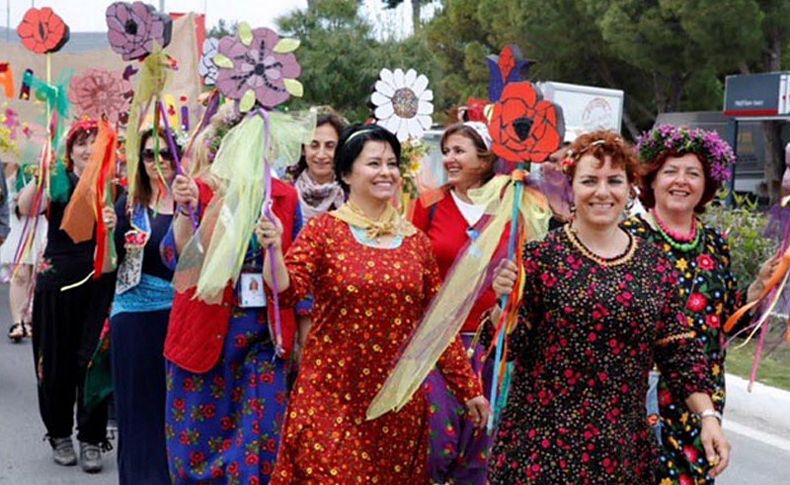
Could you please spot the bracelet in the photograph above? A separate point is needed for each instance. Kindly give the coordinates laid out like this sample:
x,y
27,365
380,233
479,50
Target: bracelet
x,y
710,413
183,210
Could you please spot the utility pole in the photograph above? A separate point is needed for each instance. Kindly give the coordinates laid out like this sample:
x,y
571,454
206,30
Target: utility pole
x,y
161,5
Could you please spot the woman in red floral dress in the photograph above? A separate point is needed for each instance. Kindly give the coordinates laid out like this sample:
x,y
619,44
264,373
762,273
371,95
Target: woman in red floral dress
x,y
372,275
600,306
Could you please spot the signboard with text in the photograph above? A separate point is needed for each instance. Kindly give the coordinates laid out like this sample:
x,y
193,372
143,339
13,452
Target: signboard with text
x,y
758,95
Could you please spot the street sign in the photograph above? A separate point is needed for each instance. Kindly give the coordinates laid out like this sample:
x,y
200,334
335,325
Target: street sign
x,y
765,96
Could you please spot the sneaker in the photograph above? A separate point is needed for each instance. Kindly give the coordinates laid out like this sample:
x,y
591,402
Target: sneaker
x,y
90,457
63,451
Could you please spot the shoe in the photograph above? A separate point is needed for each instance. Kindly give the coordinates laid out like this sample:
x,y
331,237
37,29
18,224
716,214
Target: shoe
x,y
63,451
90,457
28,330
16,332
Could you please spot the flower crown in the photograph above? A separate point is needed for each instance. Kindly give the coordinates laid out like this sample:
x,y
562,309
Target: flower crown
x,y
706,144
228,121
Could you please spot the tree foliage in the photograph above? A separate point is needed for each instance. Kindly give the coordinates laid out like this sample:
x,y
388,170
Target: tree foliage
x,y
341,59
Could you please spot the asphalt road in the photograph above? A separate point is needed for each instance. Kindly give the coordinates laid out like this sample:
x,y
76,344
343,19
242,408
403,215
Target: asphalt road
x,y
26,459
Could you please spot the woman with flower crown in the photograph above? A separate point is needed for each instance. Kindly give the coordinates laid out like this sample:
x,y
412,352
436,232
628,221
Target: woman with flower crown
x,y
682,170
599,308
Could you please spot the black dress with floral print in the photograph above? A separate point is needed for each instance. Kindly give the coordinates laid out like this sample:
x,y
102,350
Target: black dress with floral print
x,y
588,334
708,290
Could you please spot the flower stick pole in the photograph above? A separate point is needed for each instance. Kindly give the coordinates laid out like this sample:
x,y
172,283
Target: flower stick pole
x,y
511,252
174,153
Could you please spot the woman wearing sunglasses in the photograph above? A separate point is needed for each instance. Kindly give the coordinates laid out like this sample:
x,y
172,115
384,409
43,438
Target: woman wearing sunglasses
x,y
143,297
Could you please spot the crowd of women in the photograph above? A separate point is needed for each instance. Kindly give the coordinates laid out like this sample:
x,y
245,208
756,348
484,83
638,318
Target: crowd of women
x,y
209,392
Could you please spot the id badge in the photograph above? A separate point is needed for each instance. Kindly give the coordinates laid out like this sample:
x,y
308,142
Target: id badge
x,y
251,294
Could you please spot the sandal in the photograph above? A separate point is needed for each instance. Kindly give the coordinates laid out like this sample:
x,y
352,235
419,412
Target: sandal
x,y
16,332
28,330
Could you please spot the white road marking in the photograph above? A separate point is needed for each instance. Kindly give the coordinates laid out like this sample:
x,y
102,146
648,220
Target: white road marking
x,y
761,436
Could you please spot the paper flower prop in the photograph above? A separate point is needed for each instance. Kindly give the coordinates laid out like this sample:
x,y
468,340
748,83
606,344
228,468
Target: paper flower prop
x,y
257,65
403,103
207,69
524,127
136,29
43,31
508,67
100,94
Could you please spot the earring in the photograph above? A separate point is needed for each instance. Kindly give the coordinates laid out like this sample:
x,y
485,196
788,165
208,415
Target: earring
x,y
629,205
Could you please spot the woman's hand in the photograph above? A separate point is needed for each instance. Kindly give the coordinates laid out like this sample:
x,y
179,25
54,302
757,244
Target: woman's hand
x,y
479,410
505,276
109,217
269,231
185,191
717,448
766,271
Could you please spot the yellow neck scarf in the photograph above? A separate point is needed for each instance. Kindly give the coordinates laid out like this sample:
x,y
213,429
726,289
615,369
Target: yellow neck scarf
x,y
390,222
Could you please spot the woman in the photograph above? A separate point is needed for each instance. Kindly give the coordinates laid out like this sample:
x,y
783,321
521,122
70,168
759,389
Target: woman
x,y
459,451
69,308
314,175
372,275
319,192
681,172
226,383
599,308
139,318
20,288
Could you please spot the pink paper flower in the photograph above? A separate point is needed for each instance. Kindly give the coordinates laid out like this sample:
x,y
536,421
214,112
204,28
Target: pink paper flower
x,y
135,29
256,66
99,93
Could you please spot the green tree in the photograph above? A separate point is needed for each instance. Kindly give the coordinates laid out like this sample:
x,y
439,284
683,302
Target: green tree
x,y
341,59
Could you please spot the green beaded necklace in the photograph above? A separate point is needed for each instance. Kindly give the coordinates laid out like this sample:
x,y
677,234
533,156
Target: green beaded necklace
x,y
684,247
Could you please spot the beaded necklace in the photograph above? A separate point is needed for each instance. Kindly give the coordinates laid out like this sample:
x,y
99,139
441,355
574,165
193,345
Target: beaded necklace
x,y
691,241
603,261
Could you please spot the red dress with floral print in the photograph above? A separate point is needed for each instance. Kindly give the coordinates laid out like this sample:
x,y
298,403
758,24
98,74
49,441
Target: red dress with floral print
x,y
588,334
367,302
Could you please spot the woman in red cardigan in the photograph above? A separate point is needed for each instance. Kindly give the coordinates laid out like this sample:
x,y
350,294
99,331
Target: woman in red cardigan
x,y
226,382
459,450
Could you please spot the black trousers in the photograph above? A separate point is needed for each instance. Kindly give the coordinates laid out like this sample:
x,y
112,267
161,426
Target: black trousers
x,y
66,329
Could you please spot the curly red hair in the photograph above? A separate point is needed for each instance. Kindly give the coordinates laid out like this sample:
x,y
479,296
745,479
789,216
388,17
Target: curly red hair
x,y
600,144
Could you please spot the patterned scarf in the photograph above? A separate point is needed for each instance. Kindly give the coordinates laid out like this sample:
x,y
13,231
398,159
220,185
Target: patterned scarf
x,y
390,222
315,198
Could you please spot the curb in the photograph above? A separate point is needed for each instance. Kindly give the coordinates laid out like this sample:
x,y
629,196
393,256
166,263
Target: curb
x,y
765,408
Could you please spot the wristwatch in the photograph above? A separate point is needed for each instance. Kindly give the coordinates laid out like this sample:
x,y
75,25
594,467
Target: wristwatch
x,y
710,412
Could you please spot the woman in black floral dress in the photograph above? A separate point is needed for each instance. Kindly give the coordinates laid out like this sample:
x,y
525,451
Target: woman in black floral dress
x,y
599,308
682,171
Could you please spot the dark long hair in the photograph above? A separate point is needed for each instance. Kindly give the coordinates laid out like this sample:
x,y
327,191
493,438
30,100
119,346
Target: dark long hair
x,y
336,122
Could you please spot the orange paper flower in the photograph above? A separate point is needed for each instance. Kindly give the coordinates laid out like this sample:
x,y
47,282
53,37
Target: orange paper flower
x,y
43,31
524,127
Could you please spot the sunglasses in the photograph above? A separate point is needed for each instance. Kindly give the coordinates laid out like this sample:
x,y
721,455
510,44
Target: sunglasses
x,y
148,155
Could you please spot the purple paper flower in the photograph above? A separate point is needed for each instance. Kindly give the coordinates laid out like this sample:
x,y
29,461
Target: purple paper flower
x,y
136,29
255,67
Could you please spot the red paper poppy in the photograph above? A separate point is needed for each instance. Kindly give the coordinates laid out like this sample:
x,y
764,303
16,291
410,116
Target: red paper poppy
x,y
43,31
524,127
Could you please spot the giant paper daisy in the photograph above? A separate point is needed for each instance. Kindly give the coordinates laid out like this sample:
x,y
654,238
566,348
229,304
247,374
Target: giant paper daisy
x,y
403,103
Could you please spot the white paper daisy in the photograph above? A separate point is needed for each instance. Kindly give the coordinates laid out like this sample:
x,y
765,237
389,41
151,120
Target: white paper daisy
x,y
207,69
403,103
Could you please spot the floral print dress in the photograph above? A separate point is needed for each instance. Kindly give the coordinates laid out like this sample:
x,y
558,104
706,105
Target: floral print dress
x,y
707,287
223,426
589,331
368,300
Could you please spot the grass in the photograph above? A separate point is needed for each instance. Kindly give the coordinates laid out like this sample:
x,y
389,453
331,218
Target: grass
x,y
774,368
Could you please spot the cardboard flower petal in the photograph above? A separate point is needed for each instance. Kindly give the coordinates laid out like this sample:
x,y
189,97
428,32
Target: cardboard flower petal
x,y
524,127
207,69
100,94
508,67
403,103
257,65
136,29
43,31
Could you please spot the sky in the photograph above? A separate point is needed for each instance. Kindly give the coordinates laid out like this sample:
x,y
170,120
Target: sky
x,y
88,15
